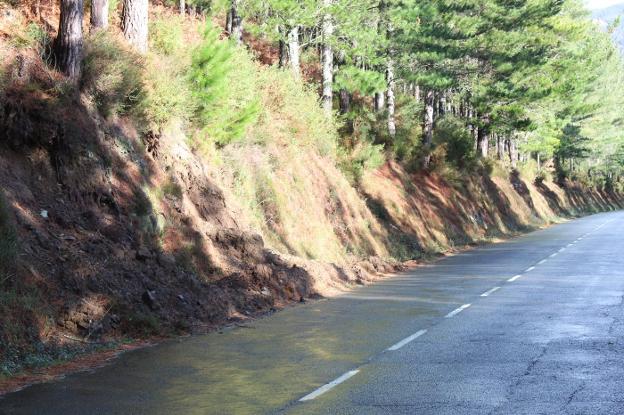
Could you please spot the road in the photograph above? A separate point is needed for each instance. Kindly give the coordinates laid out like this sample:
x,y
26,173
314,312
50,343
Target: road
x,y
529,326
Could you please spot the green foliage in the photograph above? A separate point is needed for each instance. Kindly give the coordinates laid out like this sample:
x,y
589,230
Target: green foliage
x,y
458,142
362,157
166,34
167,94
222,78
112,75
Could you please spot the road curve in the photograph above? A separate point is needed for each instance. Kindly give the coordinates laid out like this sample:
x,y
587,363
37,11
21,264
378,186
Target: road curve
x,y
533,325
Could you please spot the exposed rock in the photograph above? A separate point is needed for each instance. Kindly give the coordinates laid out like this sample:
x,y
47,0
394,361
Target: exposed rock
x,y
149,298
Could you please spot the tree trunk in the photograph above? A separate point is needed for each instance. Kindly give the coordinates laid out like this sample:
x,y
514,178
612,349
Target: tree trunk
x,y
380,101
327,60
182,7
391,104
428,126
228,22
236,33
482,137
283,50
500,147
68,43
135,23
442,104
294,52
513,152
99,14
345,101
417,93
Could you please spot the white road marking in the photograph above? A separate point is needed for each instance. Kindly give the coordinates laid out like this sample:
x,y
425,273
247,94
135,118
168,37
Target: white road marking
x,y
407,340
553,255
569,245
562,249
457,311
541,262
329,386
529,269
512,279
487,293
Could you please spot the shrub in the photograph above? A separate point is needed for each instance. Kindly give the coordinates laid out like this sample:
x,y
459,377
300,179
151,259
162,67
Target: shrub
x,y
223,82
364,156
167,94
112,75
459,143
166,34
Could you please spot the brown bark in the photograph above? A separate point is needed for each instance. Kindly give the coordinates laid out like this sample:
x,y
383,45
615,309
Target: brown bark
x,y
428,126
483,137
68,43
236,32
134,23
391,102
380,101
99,14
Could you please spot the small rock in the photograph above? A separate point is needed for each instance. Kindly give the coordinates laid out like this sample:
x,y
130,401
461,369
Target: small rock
x,y
44,214
149,298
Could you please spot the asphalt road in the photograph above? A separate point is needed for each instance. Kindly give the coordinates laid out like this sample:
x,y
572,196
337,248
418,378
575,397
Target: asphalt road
x,y
534,325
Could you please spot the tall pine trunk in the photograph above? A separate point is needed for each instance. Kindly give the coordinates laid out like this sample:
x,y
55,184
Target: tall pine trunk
x,y
380,101
327,60
135,23
482,142
99,14
391,104
294,52
513,152
68,43
428,126
236,20
500,147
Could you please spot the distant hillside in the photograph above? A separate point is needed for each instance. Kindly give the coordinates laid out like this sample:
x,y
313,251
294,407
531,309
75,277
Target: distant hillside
x,y
608,15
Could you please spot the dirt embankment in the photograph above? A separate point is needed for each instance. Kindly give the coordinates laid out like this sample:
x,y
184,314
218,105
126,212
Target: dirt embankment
x,y
130,234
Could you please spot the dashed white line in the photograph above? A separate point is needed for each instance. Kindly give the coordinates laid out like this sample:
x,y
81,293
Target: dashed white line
x,y
407,340
487,293
541,262
569,245
512,279
529,269
562,249
553,255
329,386
457,311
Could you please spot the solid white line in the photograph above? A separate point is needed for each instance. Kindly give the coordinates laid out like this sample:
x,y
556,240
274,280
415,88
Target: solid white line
x,y
487,293
553,255
512,279
529,269
541,262
329,386
457,311
407,340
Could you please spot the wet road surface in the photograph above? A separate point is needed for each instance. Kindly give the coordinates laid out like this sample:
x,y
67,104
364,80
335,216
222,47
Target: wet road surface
x,y
533,325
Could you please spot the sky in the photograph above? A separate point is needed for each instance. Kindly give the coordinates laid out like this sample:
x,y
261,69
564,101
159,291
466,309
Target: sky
x,y
601,4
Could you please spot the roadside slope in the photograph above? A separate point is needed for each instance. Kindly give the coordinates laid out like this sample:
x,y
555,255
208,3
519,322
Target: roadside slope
x,y
127,231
